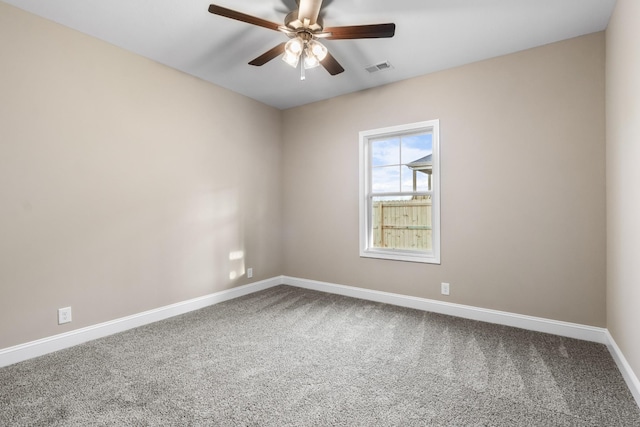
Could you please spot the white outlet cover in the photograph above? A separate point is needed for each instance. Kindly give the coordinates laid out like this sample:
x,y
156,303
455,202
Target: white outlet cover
x,y
249,273
444,288
64,315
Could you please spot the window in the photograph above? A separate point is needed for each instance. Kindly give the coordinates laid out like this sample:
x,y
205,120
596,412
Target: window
x,y
400,193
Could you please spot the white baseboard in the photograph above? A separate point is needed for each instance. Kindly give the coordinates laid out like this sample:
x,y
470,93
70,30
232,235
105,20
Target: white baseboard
x,y
625,369
18,353
565,329
555,327
43,346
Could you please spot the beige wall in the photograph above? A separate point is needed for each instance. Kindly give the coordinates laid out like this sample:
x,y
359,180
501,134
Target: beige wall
x,y
124,185
523,181
623,179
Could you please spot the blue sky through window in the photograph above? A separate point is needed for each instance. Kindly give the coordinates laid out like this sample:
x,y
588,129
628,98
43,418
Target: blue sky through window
x,y
389,158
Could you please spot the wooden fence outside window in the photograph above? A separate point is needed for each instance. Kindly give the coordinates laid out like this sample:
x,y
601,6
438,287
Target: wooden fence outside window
x,y
403,224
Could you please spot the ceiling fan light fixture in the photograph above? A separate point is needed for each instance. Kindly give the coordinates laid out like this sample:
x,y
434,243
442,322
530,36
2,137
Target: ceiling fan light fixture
x,y
291,58
310,60
314,52
295,46
292,51
317,50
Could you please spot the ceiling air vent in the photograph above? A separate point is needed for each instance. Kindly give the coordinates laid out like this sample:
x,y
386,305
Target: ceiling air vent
x,y
386,65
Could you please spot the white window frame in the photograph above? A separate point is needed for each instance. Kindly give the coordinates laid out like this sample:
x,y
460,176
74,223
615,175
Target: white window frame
x,y
366,233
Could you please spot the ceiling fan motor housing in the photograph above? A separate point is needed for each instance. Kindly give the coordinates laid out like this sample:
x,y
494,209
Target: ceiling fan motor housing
x,y
293,22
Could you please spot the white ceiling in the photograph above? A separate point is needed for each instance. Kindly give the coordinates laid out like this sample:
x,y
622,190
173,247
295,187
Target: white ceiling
x,y
431,35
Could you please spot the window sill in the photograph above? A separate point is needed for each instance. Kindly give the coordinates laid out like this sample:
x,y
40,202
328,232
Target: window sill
x,y
396,255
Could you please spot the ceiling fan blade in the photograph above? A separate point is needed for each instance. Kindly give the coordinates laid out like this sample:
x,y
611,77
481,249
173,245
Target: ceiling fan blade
x,y
331,65
374,31
268,55
239,16
309,9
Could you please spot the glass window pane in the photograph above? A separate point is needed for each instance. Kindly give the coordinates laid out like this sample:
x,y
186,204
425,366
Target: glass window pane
x,y
407,179
415,147
385,152
402,223
415,180
424,181
385,179
398,164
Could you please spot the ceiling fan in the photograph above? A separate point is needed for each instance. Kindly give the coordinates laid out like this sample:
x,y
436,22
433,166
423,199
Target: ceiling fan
x,y
304,27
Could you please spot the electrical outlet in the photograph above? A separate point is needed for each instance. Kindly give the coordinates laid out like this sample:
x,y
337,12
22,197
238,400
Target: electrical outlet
x,y
249,273
64,315
444,288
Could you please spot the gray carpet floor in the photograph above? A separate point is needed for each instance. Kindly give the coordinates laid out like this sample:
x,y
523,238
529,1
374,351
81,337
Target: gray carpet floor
x,y
293,357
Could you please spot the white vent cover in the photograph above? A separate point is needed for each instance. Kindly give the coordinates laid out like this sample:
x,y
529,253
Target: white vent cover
x,y
386,65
